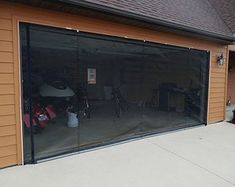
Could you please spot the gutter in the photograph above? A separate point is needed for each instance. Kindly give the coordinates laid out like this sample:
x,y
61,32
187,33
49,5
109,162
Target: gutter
x,y
130,15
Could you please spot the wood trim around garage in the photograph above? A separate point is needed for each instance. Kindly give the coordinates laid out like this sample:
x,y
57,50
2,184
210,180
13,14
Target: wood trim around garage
x,y
10,85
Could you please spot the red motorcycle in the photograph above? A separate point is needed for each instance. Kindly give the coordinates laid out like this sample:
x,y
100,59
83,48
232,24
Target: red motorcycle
x,y
40,117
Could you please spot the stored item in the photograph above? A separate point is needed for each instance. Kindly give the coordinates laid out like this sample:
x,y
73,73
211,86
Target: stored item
x,y
72,120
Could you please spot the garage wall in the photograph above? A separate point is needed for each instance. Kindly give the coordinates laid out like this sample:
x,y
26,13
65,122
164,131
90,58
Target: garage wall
x,y
217,94
8,142
11,14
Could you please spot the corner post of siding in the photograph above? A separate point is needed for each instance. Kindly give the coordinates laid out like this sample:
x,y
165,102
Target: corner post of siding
x,y
17,87
209,89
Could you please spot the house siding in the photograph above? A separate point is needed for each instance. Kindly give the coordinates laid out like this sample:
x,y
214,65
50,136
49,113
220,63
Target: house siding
x,y
10,109
8,141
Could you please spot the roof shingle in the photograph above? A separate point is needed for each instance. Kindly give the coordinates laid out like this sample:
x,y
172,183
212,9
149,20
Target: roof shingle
x,y
198,14
226,9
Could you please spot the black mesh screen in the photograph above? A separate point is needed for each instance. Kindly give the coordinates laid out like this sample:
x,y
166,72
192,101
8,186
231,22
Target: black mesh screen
x,y
88,90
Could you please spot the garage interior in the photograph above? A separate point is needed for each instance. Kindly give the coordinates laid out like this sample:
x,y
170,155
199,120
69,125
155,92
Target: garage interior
x,y
82,90
230,87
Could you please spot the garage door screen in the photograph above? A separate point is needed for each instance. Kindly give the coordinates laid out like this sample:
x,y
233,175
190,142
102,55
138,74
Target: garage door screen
x,y
83,90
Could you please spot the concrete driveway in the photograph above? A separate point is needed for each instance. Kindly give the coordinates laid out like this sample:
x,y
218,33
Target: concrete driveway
x,y
202,156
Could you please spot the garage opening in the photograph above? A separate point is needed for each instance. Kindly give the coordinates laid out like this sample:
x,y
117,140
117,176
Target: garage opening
x,y
82,90
231,88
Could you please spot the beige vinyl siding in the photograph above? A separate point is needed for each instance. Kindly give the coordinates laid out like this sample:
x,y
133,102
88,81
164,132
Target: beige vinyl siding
x,y
8,143
217,93
8,160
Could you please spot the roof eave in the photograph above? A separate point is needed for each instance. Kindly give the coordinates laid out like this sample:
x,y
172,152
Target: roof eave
x,y
97,7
